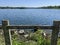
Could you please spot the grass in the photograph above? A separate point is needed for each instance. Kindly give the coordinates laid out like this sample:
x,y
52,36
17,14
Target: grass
x,y
34,39
1,39
58,42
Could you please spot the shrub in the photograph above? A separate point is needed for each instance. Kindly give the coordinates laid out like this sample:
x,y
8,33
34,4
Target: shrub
x,y
35,38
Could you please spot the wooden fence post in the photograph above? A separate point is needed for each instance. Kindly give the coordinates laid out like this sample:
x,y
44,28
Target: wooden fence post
x,y
55,32
6,31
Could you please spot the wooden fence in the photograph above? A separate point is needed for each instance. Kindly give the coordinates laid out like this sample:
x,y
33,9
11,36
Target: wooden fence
x,y
7,35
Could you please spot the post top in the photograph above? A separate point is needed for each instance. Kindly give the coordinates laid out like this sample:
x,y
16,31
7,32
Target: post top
x,y
56,20
5,20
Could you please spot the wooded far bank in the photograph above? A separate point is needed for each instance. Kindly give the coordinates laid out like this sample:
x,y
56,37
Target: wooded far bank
x,y
44,7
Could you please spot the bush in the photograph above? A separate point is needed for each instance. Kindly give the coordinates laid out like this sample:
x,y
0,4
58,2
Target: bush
x,y
35,38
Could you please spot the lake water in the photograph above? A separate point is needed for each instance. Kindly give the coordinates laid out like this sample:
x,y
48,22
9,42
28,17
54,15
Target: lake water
x,y
30,16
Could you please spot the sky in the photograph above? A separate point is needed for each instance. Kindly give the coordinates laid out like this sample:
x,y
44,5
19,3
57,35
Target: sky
x,y
29,3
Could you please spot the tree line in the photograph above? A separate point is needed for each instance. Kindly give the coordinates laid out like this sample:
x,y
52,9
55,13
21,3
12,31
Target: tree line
x,y
44,7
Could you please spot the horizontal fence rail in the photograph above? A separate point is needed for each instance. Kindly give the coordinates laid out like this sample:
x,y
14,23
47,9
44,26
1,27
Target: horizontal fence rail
x,y
29,27
6,28
0,26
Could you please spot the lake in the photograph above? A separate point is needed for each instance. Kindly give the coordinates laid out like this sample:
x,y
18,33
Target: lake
x,y
30,16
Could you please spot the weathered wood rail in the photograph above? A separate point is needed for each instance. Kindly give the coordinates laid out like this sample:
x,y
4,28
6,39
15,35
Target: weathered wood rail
x,y
5,26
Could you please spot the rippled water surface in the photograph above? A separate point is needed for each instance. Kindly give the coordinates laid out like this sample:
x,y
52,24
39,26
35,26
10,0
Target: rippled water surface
x,y
30,16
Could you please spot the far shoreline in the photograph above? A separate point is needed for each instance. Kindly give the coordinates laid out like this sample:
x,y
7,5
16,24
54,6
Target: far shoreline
x,y
44,7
